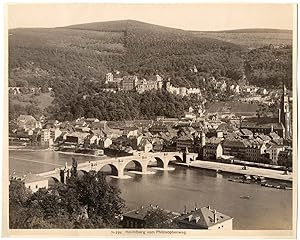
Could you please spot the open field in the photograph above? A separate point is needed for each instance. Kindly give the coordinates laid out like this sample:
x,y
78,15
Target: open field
x,y
233,107
43,100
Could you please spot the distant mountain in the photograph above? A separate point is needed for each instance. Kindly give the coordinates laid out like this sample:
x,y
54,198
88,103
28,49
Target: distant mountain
x,y
126,25
88,51
73,60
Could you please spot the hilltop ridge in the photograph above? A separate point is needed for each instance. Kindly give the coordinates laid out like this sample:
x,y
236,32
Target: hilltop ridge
x,y
249,30
124,25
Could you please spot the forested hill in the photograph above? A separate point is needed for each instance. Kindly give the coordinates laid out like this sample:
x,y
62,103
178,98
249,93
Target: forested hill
x,y
73,60
269,66
88,51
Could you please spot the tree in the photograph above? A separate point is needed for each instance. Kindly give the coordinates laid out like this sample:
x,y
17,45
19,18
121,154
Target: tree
x,y
159,218
20,215
83,202
103,201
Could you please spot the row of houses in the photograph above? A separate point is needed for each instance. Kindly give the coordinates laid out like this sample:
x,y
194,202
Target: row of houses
x,y
211,138
26,90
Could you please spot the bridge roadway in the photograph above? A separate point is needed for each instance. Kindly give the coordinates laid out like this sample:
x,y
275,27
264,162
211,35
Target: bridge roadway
x,y
141,162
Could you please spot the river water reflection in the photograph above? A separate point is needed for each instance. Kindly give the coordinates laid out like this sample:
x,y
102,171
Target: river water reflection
x,y
267,208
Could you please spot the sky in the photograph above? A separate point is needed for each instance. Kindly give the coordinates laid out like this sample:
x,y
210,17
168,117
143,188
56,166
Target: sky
x,y
201,16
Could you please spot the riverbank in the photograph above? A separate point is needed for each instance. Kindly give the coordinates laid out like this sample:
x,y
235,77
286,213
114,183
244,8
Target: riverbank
x,y
82,154
237,169
17,148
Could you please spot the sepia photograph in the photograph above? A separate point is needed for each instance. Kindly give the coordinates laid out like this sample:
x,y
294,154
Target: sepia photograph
x,y
150,120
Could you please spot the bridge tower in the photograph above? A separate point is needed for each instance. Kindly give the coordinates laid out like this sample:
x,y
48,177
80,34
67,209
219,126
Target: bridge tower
x,y
185,157
64,174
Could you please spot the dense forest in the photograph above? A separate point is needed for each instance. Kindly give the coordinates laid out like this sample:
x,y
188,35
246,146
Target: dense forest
x,y
89,51
120,106
87,99
269,66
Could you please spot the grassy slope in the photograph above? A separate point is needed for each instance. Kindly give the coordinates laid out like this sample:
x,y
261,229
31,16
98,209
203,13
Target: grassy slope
x,y
235,107
43,100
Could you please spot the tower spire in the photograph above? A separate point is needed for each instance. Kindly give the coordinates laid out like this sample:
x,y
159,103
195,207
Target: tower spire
x,y
285,111
283,88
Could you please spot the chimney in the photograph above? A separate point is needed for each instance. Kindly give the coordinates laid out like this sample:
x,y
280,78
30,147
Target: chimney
x,y
142,207
156,206
185,211
215,216
208,207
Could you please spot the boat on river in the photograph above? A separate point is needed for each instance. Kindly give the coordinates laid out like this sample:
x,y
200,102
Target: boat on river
x,y
245,197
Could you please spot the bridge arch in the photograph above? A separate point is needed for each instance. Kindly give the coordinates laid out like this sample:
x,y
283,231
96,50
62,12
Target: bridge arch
x,y
178,158
159,162
138,166
114,170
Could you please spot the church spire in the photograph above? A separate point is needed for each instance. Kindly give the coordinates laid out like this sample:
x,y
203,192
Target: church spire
x,y
283,88
285,111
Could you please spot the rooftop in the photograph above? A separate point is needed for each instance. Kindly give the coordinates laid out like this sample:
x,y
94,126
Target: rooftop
x,y
26,118
78,134
30,178
204,217
249,124
246,132
142,212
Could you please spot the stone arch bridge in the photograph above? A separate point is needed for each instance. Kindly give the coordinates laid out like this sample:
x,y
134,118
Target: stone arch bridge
x,y
118,165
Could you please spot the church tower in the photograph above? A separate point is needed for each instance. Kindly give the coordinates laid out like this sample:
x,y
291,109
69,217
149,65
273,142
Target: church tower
x,y
284,116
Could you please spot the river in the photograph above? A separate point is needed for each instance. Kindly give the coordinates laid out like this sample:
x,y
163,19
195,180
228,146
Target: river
x,y
267,208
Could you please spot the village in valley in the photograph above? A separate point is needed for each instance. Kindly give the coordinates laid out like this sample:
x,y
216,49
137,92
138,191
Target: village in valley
x,y
213,133
217,135
221,137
